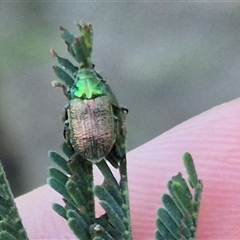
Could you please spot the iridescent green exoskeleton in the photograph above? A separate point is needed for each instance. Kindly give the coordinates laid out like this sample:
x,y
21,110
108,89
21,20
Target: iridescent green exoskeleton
x,y
94,121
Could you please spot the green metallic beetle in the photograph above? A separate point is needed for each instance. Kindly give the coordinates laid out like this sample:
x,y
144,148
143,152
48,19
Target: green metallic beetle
x,y
94,121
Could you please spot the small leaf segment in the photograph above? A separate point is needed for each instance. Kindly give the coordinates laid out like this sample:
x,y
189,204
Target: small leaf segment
x,y
11,227
179,217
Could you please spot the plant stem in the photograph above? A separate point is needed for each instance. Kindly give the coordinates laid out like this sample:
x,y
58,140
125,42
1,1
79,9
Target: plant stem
x,y
125,195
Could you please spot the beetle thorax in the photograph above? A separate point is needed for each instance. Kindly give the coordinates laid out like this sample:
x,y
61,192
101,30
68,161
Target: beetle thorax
x,y
87,85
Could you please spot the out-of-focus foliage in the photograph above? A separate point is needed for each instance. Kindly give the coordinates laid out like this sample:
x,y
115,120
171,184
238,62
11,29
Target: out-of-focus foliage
x,y
166,62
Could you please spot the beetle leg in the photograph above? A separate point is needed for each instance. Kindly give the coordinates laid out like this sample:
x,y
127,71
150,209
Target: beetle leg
x,y
64,116
64,88
113,157
66,133
66,130
124,110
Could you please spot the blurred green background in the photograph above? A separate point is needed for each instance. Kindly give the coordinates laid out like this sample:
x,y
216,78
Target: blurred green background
x,y
165,61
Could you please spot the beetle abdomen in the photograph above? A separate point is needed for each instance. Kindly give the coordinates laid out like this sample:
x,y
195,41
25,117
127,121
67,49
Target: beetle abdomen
x,y
92,127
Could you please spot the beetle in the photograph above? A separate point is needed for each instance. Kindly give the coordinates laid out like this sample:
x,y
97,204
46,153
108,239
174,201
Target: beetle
x,y
94,121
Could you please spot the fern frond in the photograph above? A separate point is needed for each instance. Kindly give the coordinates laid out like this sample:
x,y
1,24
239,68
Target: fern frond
x,y
178,218
11,227
74,181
